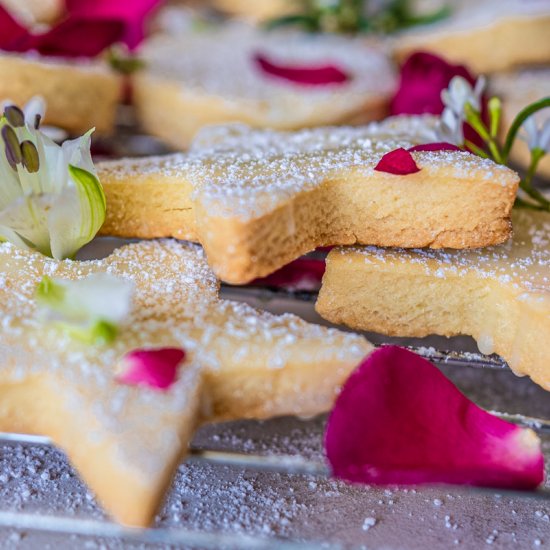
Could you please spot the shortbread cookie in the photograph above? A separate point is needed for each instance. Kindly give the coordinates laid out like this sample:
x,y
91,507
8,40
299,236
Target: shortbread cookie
x,y
126,441
258,199
499,295
487,36
517,90
213,77
80,94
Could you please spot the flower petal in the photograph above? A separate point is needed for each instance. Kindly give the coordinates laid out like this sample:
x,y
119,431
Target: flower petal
x,y
13,36
398,162
90,309
26,220
399,420
307,75
301,274
77,214
156,368
87,30
423,77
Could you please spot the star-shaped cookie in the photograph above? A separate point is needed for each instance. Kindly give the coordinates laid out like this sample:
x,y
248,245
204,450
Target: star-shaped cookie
x,y
257,199
126,441
500,295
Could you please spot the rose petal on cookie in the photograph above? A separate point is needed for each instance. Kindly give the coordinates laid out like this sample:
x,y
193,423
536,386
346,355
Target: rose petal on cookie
x,y
439,146
307,75
398,162
399,420
301,274
156,368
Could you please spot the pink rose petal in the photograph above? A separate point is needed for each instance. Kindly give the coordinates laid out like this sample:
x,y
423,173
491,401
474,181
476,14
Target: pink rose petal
x,y
439,146
301,274
88,28
398,162
156,368
398,420
423,77
307,75
11,32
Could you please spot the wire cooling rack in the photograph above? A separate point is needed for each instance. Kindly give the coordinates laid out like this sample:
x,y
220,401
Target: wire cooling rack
x,y
310,470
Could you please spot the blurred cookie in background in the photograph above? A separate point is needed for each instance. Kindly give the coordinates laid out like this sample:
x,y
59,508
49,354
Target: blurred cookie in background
x,y
71,61
284,80
487,36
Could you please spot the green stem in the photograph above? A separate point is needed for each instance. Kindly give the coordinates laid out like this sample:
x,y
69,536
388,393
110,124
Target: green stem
x,y
526,184
473,118
495,112
520,203
522,116
475,149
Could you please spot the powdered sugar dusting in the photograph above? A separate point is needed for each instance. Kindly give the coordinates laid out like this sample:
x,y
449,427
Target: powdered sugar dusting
x,y
522,262
220,62
175,305
244,173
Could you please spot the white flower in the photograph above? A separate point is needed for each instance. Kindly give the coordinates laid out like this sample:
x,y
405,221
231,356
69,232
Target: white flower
x,y
50,198
450,128
90,309
535,136
460,92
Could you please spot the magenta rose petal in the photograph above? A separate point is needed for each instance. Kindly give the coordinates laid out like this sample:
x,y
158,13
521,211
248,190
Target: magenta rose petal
x,y
13,36
156,368
301,274
77,37
398,162
399,420
87,29
439,146
306,75
130,16
423,77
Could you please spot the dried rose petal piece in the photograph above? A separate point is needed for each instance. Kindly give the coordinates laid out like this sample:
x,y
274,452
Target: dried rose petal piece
x,y
308,75
301,274
156,368
438,146
398,162
398,420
